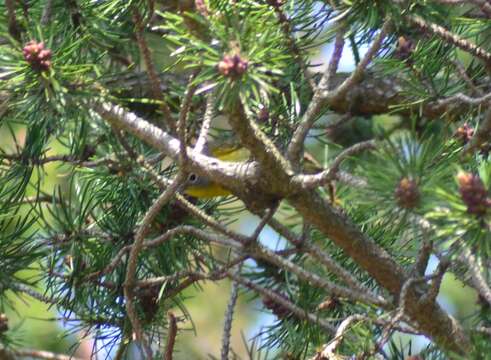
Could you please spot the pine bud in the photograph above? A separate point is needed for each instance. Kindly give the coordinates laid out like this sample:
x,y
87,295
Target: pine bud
x,y
405,48
276,3
279,310
4,323
331,303
263,115
233,66
149,302
464,133
473,193
201,7
37,56
414,357
407,193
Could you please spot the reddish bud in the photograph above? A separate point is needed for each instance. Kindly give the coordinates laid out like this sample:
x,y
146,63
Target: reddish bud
x,y
201,7
233,66
405,48
279,310
4,323
473,193
276,3
37,56
263,115
407,193
464,133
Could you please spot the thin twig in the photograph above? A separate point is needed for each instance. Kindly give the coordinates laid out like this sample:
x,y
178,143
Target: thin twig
x,y
481,136
477,278
46,355
47,12
310,116
313,181
229,316
205,127
281,300
332,288
431,295
463,75
13,24
152,73
320,255
286,27
450,37
32,293
325,95
183,116
171,336
152,212
329,350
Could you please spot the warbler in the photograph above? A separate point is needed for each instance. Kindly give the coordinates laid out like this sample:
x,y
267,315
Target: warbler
x,y
201,187
230,150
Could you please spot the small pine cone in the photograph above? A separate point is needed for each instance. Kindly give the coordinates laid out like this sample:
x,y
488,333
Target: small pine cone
x,y
405,48
233,66
263,115
201,7
37,56
464,133
149,302
407,193
331,303
473,193
414,357
279,310
4,323
276,3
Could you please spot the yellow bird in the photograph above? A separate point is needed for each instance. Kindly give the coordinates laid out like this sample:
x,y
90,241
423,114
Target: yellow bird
x,y
201,187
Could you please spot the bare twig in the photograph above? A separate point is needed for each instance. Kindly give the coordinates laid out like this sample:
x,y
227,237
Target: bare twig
x,y
482,134
133,257
32,293
314,279
329,350
464,76
183,116
152,73
47,12
297,54
13,24
171,336
323,257
39,354
323,96
477,277
281,300
436,282
229,315
450,37
205,127
313,181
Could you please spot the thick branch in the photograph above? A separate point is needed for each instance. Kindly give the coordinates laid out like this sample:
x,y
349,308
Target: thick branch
x,y
432,320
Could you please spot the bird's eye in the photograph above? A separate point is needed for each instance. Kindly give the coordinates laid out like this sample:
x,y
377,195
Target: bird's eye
x,y
192,178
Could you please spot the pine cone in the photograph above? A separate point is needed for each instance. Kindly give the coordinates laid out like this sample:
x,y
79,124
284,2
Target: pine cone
x,y
405,48
279,310
37,56
233,66
464,133
473,193
407,193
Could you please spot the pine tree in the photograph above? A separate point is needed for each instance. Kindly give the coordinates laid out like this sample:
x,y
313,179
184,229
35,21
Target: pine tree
x,y
132,103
